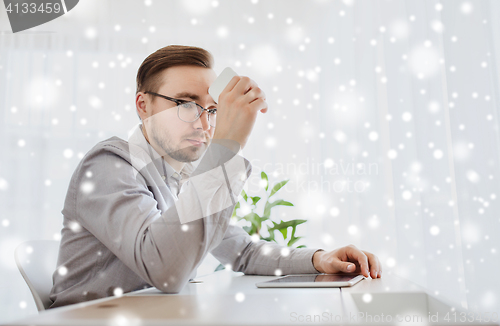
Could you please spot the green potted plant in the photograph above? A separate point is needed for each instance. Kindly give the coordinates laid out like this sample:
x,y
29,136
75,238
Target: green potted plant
x,y
258,223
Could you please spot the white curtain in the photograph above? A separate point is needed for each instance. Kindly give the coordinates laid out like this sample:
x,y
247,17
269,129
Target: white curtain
x,y
383,114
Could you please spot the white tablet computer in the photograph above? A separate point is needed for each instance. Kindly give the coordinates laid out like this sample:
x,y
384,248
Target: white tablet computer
x,y
312,281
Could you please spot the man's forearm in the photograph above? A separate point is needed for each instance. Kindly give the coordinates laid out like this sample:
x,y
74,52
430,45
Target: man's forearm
x,y
262,257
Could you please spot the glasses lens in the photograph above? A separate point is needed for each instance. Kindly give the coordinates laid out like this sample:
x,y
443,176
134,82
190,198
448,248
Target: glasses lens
x,y
212,119
189,111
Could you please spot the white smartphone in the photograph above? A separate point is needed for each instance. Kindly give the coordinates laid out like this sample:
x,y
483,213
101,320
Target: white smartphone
x,y
221,82
312,281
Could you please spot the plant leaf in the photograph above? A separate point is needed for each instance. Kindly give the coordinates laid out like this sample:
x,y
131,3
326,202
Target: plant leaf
x,y
302,246
286,224
284,231
255,200
293,240
244,194
254,219
263,176
264,218
279,202
278,186
267,209
293,232
271,236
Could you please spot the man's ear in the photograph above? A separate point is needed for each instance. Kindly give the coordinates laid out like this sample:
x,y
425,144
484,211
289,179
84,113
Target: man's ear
x,y
140,105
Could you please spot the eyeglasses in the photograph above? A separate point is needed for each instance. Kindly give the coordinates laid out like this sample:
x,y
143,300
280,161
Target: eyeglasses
x,y
189,111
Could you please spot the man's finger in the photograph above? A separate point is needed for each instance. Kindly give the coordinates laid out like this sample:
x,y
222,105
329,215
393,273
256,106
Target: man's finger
x,y
375,266
229,87
357,255
259,104
350,268
340,265
254,94
243,86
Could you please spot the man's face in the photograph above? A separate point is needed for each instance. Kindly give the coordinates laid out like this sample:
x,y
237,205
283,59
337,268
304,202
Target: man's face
x,y
165,131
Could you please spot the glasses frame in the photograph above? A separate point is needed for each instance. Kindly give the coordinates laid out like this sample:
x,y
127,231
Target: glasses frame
x,y
179,102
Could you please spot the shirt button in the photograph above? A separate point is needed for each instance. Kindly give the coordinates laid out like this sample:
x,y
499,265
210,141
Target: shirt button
x,y
163,177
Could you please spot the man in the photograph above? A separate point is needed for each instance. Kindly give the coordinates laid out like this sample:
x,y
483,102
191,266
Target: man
x,y
138,213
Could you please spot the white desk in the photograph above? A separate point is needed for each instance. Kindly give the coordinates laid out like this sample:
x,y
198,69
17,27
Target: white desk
x,y
230,298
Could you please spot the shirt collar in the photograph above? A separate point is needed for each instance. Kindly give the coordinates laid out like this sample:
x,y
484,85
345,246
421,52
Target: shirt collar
x,y
142,154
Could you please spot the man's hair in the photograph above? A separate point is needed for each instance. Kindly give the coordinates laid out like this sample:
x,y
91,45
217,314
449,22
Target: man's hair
x,y
149,73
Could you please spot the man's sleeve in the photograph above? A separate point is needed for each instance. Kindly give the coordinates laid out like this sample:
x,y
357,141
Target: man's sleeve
x,y
112,201
262,257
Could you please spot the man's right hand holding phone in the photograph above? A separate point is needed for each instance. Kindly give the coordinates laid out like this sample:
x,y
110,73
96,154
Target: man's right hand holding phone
x,y
237,109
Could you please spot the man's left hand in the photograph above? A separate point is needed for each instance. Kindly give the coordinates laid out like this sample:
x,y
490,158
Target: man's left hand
x,y
348,259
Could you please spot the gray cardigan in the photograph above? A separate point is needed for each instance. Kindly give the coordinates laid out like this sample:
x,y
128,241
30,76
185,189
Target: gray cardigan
x,y
126,227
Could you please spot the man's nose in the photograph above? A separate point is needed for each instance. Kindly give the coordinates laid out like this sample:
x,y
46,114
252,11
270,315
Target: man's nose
x,y
202,122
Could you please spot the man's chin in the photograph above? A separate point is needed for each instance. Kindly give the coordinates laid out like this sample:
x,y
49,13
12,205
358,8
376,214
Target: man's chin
x,y
189,154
